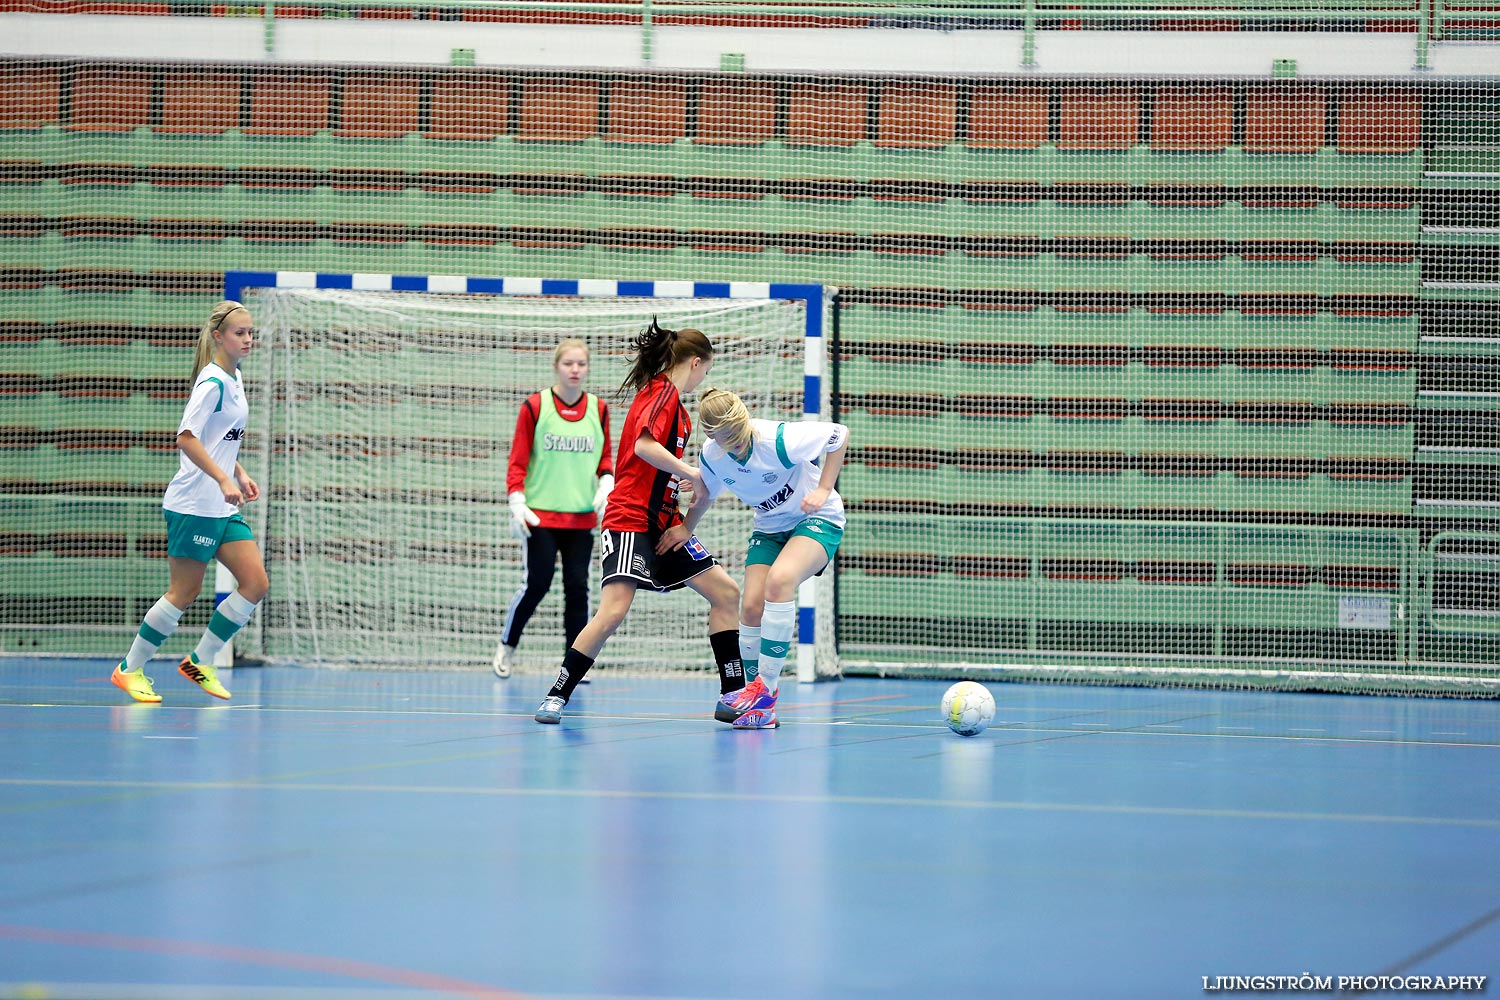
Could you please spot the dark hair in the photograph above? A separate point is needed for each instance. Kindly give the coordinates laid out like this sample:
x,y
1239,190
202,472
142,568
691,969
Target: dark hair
x,y
658,350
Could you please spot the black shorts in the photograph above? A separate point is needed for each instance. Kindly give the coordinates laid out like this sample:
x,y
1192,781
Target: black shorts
x,y
631,555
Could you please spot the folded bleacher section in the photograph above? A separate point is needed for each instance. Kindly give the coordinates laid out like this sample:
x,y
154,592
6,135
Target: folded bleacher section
x,y
1149,371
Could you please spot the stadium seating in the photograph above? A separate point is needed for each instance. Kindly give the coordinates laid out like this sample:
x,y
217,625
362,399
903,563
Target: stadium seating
x,y
1242,235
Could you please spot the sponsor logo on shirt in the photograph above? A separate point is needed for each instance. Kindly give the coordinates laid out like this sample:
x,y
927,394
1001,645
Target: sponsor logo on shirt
x,y
769,477
776,499
567,442
235,434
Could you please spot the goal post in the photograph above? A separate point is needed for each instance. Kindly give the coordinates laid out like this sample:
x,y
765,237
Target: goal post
x,y
382,411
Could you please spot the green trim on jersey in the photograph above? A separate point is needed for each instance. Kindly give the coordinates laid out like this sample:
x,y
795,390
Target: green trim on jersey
x,y
220,383
562,479
781,446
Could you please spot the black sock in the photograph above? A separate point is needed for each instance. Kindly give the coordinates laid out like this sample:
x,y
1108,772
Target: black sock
x,y
726,646
574,666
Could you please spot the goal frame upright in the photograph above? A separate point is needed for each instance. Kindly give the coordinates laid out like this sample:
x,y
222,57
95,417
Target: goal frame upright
x,y
818,302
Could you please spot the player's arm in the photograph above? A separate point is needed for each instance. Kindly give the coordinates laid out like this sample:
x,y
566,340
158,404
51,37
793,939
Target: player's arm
x,y
655,454
522,517
605,471
520,449
248,486
833,461
703,499
199,456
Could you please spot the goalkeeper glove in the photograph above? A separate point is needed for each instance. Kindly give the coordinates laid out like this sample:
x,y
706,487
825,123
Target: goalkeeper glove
x,y
601,495
521,516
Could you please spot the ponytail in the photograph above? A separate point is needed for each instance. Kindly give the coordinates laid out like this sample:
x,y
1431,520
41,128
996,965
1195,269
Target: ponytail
x,y
205,351
659,350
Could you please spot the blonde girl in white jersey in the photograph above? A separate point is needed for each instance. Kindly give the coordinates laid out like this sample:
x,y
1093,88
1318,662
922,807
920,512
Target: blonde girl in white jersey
x,y
785,472
201,507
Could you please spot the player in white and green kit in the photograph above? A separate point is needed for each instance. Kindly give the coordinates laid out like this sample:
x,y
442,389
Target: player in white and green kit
x,y
785,472
201,507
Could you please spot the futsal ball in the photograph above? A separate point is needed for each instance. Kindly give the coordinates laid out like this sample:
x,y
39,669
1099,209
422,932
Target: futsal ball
x,y
968,708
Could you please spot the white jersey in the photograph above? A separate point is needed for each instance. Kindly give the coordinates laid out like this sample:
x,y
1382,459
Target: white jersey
x,y
778,472
216,414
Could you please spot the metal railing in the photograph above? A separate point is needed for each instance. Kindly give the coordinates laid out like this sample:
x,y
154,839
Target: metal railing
x,y
1427,20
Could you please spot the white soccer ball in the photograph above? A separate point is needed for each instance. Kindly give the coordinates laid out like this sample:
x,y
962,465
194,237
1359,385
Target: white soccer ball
x,y
968,708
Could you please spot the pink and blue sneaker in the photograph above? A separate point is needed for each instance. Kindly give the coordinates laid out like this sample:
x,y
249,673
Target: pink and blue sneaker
x,y
758,710
736,703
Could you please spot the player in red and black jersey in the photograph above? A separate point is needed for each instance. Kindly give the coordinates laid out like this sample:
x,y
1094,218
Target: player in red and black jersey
x,y
643,539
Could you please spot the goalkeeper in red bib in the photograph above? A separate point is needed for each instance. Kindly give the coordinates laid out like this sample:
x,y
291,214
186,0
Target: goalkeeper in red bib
x,y
799,521
559,477
644,542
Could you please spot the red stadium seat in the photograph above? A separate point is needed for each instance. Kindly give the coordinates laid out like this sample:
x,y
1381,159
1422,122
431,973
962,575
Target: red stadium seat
x,y
472,106
199,102
30,96
289,103
110,99
380,105
736,112
919,116
827,114
1379,119
1192,118
646,111
1099,117
1002,116
1284,118
557,109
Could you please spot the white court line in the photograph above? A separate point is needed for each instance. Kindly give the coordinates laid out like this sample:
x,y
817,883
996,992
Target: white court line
x,y
169,737
487,791
937,726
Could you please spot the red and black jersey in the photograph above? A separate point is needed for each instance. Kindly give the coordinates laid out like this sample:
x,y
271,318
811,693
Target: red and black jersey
x,y
520,456
644,498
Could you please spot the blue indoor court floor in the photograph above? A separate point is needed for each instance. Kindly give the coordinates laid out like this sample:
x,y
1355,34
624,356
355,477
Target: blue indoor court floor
x,y
393,835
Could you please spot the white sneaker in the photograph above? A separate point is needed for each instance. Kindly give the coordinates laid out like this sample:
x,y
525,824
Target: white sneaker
x,y
550,711
505,658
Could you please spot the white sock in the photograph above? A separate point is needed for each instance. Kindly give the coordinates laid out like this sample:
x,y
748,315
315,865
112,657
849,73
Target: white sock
x,y
749,650
229,617
160,622
775,640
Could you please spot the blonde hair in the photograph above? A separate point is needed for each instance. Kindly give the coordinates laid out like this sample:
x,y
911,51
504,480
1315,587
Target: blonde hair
x,y
205,352
720,409
568,345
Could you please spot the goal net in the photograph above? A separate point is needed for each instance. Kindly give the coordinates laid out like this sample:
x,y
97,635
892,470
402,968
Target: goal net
x,y
382,424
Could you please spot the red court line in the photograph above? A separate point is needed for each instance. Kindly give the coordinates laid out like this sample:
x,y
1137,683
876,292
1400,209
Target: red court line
x,y
325,964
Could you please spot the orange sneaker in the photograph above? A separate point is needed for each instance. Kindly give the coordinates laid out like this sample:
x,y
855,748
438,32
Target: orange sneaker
x,y
203,675
134,683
